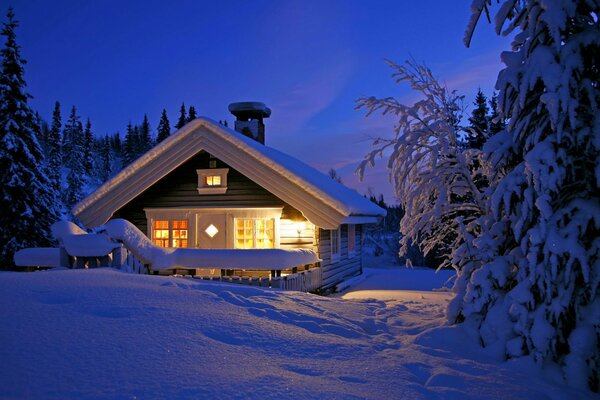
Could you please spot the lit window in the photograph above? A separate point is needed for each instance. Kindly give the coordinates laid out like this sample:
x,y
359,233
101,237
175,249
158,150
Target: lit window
x,y
213,180
170,233
335,244
351,240
254,233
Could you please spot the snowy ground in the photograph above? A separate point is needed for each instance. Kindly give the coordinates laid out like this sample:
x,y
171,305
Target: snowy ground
x,y
102,333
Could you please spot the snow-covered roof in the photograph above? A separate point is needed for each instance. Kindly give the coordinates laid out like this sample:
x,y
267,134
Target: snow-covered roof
x,y
323,201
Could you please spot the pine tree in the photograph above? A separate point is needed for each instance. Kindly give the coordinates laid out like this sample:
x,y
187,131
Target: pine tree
x,y
37,125
478,129
495,122
73,141
535,287
145,140
182,117
54,157
27,204
88,157
191,114
137,142
129,146
74,191
106,159
164,129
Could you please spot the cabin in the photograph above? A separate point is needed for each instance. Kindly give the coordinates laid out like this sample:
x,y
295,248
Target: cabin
x,y
211,187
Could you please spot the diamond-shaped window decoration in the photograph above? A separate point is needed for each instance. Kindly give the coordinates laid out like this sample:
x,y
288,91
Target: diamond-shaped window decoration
x,y
211,230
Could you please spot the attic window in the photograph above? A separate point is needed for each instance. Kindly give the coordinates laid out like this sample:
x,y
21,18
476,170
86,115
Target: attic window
x,y
212,181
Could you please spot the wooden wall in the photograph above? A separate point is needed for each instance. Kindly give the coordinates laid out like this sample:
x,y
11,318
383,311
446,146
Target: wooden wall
x,y
179,189
335,272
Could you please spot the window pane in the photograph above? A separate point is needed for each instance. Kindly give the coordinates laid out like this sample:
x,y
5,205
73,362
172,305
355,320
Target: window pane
x,y
180,232
213,180
254,233
335,244
161,224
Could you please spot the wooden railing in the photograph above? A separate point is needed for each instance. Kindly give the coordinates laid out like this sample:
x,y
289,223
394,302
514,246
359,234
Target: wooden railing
x,y
308,280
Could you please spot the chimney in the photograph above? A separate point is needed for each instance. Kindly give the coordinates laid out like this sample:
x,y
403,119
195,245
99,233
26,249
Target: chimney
x,y
249,119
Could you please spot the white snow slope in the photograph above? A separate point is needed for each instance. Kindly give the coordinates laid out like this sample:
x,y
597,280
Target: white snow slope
x,y
86,334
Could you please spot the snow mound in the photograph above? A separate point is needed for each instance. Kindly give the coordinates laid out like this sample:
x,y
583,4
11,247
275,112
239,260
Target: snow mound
x,y
100,333
38,257
79,243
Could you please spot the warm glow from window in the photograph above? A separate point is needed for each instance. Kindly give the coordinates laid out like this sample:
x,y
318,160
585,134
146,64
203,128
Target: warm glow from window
x,y
213,180
172,233
254,233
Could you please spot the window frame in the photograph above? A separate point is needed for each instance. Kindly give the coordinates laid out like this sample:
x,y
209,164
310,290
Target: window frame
x,y
205,188
170,239
255,229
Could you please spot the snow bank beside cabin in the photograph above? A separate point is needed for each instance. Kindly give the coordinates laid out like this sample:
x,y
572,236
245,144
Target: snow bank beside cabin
x,y
161,258
38,257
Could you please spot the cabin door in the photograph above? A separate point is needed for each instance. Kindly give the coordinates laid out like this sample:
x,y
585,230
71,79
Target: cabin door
x,y
211,233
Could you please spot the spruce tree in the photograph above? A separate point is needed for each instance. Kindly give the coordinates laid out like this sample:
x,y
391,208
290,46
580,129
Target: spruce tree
x,y
27,204
54,158
137,143
535,290
37,125
74,149
164,128
182,117
495,123
106,159
478,128
88,157
191,114
73,141
129,146
145,140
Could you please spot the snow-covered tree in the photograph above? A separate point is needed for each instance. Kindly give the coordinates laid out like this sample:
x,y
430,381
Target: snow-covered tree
x,y
54,155
88,156
74,145
105,159
431,174
182,117
73,142
478,128
27,204
496,123
537,289
129,150
164,128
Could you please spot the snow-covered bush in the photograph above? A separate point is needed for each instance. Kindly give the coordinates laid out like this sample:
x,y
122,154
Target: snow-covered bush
x,y
537,289
433,177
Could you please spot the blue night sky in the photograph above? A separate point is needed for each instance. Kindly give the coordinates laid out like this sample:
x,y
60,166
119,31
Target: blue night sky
x,y
307,60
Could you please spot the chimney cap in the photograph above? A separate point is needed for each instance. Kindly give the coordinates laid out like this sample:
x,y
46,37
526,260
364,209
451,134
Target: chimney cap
x,y
249,109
